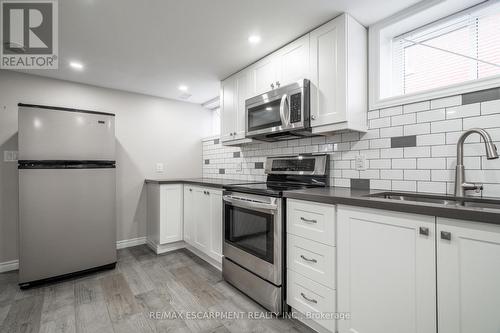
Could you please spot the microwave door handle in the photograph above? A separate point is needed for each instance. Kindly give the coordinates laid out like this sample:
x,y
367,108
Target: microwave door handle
x,y
284,120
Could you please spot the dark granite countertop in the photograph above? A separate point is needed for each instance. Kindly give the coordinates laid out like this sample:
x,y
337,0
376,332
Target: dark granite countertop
x,y
208,182
354,197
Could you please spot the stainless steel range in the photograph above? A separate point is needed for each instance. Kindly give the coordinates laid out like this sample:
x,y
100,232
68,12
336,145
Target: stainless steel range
x,y
254,227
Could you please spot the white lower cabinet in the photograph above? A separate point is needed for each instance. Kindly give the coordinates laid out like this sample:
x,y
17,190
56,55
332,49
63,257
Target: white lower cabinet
x,y
468,276
311,263
164,215
203,220
192,214
386,271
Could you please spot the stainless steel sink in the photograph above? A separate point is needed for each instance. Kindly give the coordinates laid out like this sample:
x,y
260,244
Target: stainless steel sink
x,y
440,200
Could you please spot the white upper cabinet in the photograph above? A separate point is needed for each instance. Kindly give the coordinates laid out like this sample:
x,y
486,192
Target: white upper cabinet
x,y
333,57
263,76
386,271
292,62
338,52
468,276
234,92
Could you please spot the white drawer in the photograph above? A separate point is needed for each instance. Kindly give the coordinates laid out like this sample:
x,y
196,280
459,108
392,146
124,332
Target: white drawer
x,y
311,298
314,260
315,221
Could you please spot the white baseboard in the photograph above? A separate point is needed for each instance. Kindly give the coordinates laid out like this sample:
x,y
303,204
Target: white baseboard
x,y
9,266
130,242
14,264
159,249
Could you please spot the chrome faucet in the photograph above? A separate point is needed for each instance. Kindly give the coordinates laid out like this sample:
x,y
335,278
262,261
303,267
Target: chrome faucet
x,y
491,153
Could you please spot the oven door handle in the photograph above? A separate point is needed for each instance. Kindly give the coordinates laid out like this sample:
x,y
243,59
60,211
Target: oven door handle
x,y
250,204
284,118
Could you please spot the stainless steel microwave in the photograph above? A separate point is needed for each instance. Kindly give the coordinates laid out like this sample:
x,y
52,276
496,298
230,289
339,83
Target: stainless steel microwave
x,y
280,114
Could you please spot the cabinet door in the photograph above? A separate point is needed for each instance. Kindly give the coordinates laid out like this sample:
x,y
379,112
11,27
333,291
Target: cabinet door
x,y
202,219
328,73
293,61
242,85
263,75
171,212
216,225
188,215
468,275
228,115
386,271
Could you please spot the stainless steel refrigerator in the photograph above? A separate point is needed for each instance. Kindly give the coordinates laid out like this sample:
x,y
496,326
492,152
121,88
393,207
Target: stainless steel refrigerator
x,y
67,190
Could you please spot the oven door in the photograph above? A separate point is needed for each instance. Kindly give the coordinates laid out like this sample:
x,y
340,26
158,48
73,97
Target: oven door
x,y
253,234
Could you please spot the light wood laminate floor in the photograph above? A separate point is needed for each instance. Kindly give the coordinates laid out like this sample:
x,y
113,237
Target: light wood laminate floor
x,y
125,299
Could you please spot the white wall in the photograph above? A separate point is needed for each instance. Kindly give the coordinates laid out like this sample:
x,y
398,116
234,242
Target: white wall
x,y
148,130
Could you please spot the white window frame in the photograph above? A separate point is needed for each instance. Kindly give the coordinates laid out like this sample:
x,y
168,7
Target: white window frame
x,y
380,37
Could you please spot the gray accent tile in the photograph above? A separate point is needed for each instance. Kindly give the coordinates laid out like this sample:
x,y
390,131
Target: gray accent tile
x,y
236,154
259,165
222,171
216,141
207,161
360,184
481,96
404,141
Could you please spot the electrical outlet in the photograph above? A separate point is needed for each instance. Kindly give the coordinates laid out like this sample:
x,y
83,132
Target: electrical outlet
x,y
239,167
360,163
10,156
159,167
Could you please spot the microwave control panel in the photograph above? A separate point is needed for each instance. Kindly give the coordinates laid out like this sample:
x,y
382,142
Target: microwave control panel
x,y
295,108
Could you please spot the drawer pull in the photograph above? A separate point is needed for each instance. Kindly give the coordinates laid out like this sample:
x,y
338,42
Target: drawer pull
x,y
309,299
307,259
308,221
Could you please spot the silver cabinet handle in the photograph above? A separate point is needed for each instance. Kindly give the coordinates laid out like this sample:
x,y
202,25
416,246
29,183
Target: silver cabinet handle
x,y
272,85
313,117
307,259
424,231
308,221
446,235
312,300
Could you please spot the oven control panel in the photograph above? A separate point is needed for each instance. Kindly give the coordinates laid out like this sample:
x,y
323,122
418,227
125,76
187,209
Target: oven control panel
x,y
295,108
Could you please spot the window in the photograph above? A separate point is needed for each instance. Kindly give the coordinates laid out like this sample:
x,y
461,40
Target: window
x,y
448,56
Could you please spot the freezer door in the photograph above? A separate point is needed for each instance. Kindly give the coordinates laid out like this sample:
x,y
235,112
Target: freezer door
x,y
66,221
49,134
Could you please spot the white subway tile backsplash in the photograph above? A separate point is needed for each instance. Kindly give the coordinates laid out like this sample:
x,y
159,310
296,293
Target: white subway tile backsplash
x,y
416,107
380,122
406,185
432,115
487,121
446,126
392,111
432,187
463,111
404,119
404,163
431,139
446,102
429,166
490,107
416,129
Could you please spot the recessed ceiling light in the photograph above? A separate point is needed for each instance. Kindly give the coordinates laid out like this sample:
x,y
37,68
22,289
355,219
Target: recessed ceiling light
x,y
254,39
76,65
183,87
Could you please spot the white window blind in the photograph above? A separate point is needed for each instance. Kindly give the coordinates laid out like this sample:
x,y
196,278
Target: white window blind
x,y
454,50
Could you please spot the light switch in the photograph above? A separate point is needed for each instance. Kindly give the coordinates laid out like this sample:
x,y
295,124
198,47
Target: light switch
x,y
159,167
360,162
239,167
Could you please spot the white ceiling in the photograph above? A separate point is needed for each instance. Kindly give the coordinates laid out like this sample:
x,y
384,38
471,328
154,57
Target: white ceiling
x,y
153,46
